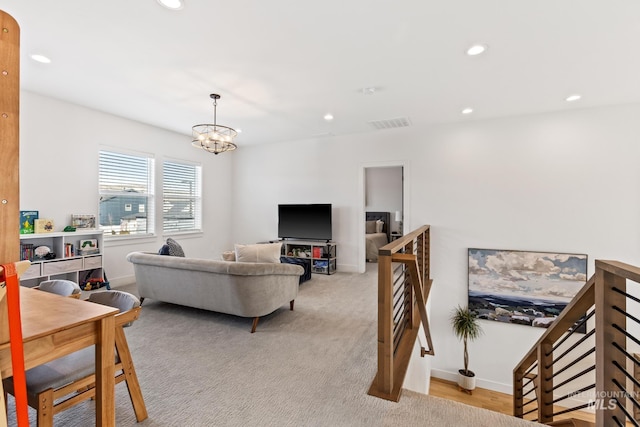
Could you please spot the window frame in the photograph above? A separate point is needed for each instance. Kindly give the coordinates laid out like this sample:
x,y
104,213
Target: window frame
x,y
194,194
147,194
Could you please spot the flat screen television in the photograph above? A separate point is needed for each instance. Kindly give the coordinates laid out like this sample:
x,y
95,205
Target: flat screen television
x,y
311,222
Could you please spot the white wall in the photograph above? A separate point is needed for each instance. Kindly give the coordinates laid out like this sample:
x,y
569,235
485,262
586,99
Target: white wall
x,y
565,182
59,145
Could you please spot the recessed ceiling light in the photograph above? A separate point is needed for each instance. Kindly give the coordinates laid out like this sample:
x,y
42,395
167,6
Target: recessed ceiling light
x,y
369,90
40,58
328,117
467,111
172,4
239,130
572,98
476,49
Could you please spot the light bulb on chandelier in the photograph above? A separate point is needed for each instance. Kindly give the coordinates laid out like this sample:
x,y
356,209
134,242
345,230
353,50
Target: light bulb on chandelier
x,y
214,138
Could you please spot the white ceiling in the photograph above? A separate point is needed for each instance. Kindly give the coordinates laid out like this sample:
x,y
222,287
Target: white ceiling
x,y
281,65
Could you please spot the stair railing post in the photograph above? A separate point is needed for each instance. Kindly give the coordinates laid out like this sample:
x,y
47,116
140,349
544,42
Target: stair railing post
x,y
606,353
385,324
518,398
544,390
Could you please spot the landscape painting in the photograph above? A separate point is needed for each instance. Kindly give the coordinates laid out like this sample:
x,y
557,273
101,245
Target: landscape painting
x,y
525,288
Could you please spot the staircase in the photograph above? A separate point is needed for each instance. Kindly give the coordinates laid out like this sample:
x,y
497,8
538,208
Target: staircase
x,y
594,369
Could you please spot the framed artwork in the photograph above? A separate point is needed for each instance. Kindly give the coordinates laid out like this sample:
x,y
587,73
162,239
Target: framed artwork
x,y
525,288
83,221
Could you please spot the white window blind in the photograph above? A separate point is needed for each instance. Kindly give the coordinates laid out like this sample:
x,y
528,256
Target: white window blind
x,y
126,193
181,197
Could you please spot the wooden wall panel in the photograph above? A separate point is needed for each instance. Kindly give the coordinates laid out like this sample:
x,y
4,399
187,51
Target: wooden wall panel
x,y
9,161
9,138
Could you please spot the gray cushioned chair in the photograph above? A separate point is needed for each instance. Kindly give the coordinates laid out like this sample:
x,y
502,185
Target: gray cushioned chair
x,y
69,380
65,288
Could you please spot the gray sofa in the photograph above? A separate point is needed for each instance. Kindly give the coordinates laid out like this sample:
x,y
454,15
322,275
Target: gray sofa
x,y
239,288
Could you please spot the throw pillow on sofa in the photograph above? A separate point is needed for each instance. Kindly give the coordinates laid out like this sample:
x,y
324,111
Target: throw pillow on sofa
x,y
229,255
171,248
174,248
262,252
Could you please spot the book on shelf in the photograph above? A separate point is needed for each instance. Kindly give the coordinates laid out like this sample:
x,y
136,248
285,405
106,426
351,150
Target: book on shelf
x,y
27,219
26,251
43,225
69,250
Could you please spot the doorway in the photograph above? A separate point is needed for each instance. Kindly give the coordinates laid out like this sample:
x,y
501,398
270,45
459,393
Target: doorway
x,y
383,192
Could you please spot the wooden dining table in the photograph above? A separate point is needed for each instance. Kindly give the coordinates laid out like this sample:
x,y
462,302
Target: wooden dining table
x,y
54,326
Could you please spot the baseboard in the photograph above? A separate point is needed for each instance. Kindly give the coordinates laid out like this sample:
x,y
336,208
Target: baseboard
x,y
122,281
489,385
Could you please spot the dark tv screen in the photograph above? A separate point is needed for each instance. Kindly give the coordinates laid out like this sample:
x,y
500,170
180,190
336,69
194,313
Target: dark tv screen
x,y
304,221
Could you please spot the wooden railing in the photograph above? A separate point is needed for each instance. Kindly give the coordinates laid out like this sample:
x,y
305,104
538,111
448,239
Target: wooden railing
x,y
403,290
567,371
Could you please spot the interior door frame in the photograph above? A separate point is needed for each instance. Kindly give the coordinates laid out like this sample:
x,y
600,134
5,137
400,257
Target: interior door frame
x,y
406,212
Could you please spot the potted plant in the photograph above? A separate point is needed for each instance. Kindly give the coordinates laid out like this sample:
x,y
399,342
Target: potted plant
x,y
466,327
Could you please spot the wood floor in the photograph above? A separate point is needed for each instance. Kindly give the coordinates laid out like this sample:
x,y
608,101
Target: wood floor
x,y
487,399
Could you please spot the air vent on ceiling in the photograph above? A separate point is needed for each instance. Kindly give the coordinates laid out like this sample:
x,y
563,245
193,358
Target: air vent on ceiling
x,y
400,122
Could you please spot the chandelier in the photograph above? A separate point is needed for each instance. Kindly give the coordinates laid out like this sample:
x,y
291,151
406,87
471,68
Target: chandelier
x,y
214,138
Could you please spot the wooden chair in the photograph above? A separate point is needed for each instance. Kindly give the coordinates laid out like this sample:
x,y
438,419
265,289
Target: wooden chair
x,y
65,382
62,287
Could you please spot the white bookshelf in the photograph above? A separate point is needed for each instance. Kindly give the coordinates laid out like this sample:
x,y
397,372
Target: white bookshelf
x,y
75,267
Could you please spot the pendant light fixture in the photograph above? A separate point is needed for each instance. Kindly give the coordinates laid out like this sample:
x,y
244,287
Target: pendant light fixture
x,y
214,138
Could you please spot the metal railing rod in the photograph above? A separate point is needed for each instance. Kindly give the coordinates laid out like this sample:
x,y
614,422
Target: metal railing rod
x,y
626,374
397,269
571,331
618,423
625,333
528,402
578,375
576,344
570,365
398,320
529,392
534,365
626,294
626,393
524,385
568,395
626,353
399,287
531,411
628,415
575,408
629,316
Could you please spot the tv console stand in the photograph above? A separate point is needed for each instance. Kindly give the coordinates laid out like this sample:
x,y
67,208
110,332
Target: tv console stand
x,y
321,253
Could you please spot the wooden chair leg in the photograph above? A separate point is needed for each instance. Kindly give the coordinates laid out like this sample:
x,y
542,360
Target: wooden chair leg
x,y
291,304
255,324
45,408
3,403
131,378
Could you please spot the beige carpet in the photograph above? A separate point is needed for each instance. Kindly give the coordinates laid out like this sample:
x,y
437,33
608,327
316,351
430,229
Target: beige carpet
x,y
309,367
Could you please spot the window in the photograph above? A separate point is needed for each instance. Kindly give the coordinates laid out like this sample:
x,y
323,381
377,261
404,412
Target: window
x,y
181,197
126,193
